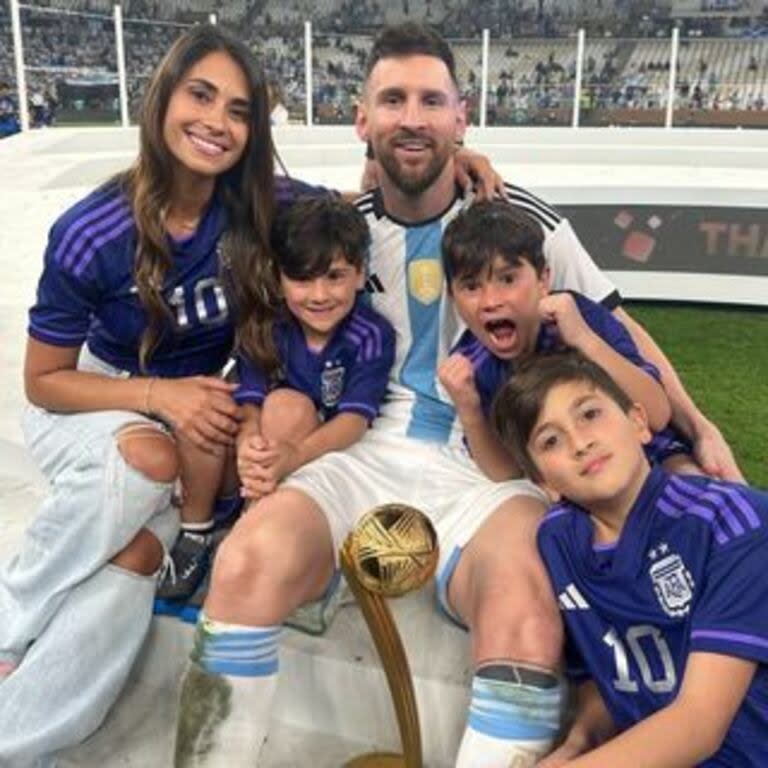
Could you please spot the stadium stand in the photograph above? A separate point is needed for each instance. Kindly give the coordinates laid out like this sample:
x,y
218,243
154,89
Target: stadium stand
x,y
532,61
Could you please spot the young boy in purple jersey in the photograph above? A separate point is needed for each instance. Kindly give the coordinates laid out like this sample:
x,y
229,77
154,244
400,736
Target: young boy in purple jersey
x,y
323,387
499,282
334,351
660,579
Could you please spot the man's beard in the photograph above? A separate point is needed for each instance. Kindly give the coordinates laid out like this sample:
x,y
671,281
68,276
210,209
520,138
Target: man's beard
x,y
410,184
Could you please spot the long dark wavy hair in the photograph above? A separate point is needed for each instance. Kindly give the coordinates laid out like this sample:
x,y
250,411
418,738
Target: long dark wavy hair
x,y
246,190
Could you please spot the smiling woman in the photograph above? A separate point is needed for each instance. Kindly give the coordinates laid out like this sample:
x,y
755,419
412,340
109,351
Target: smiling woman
x,y
206,125
145,285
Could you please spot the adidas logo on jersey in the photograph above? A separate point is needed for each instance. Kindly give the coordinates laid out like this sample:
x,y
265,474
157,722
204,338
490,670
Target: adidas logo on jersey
x,y
374,285
570,599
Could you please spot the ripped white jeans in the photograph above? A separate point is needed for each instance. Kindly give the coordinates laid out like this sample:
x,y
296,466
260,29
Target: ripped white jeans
x,y
73,622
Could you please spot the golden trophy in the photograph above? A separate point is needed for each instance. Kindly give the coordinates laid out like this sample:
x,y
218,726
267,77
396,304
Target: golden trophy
x,y
392,550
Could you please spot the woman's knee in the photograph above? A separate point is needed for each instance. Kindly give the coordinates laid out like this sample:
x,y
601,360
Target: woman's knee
x,y
143,554
149,451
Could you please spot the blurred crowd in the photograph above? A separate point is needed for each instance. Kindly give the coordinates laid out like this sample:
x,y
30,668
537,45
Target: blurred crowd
x,y
70,56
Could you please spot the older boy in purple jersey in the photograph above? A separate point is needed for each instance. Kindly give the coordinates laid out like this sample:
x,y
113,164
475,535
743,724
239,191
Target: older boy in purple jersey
x,y
500,284
660,579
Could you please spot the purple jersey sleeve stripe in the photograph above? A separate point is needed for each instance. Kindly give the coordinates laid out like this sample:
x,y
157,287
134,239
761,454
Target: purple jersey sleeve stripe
x,y
680,500
249,396
557,511
362,408
361,344
370,345
81,246
480,356
714,497
83,251
57,337
471,348
670,510
476,353
90,252
734,637
76,228
738,500
719,505
696,510
369,329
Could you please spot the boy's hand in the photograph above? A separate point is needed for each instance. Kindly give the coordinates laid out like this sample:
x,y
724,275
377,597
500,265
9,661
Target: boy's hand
x,y
561,309
458,377
263,463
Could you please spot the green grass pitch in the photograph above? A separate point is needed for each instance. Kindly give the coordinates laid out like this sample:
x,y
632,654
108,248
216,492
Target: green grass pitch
x,y
722,356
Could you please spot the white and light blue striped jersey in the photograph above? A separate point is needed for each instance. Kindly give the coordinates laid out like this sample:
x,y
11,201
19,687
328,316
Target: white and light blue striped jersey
x,y
406,284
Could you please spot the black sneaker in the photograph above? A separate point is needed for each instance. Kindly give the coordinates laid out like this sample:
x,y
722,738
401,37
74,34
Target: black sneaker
x,y
185,567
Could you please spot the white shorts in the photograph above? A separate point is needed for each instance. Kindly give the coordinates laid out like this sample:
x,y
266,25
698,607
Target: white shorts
x,y
440,480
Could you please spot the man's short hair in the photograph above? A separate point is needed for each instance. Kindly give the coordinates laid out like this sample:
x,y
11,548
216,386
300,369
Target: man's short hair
x,y
488,229
518,404
308,235
411,39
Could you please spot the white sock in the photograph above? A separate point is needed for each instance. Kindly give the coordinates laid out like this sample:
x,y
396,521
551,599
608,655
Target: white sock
x,y
205,527
226,696
514,717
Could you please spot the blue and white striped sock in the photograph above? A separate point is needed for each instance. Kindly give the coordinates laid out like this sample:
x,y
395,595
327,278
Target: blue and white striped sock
x,y
514,717
227,694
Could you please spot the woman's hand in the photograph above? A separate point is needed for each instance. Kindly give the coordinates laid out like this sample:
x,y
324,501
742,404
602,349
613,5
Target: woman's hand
x,y
200,408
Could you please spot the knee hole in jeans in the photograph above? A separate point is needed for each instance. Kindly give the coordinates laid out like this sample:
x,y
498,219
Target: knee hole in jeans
x,y
150,451
144,554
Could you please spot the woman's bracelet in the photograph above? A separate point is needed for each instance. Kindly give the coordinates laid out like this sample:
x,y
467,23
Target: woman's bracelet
x,y
147,393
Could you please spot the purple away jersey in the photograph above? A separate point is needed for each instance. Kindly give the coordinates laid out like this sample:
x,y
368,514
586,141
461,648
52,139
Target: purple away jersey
x,y
686,575
87,292
349,375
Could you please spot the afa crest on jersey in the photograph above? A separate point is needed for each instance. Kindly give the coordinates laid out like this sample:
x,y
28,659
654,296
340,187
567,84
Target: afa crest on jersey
x,y
331,385
672,582
425,280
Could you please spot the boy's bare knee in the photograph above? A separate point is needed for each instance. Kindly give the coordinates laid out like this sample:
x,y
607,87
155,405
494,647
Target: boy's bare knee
x,y
144,554
287,413
149,451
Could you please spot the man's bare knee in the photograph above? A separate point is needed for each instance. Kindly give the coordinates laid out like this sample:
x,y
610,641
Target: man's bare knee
x,y
150,451
268,558
278,556
516,617
144,554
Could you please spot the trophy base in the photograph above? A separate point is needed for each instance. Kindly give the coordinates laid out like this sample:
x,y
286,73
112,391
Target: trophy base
x,y
377,760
